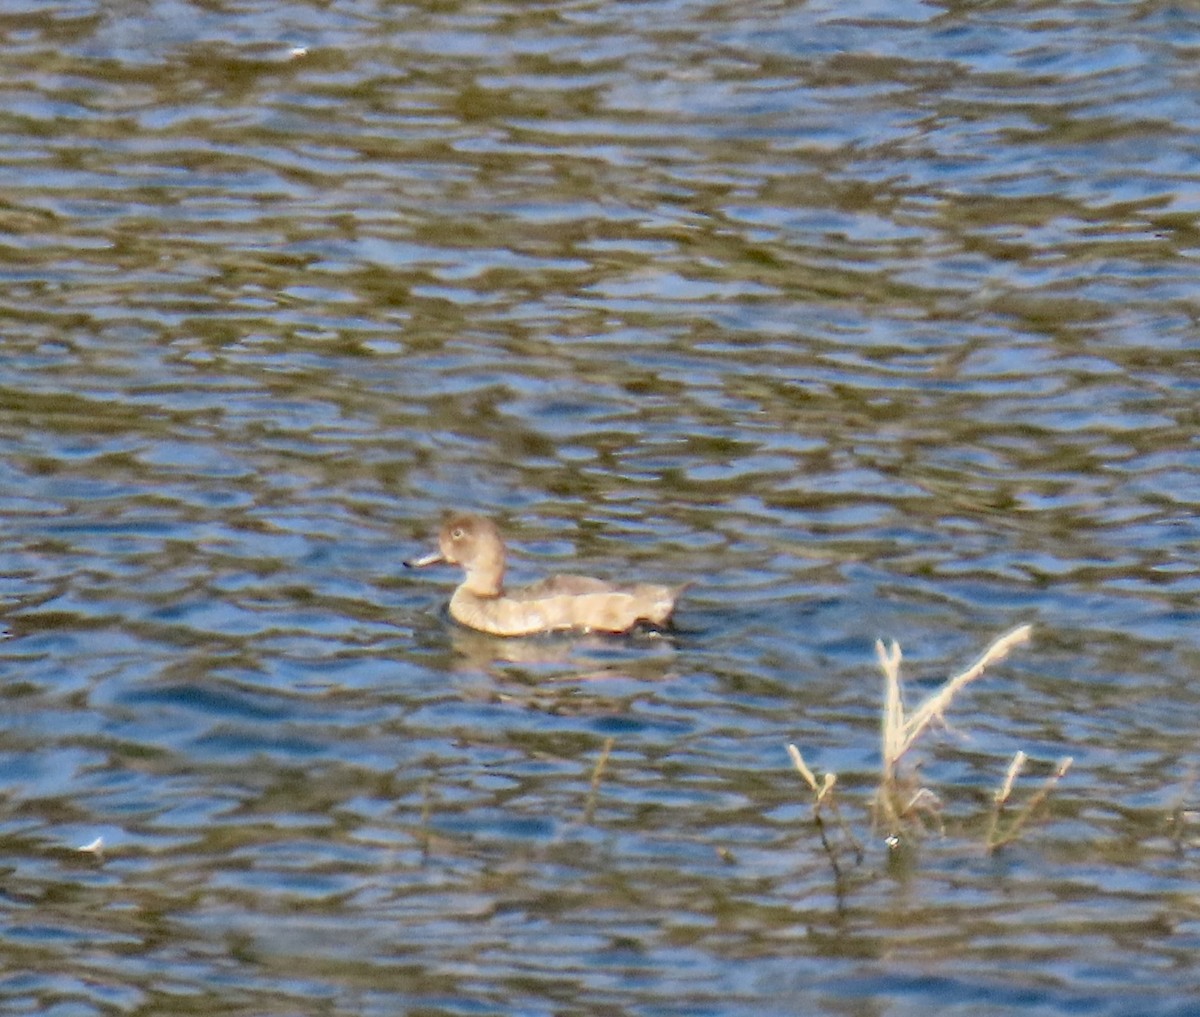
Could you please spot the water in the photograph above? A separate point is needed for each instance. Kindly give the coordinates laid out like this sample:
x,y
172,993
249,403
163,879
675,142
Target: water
x,y
877,319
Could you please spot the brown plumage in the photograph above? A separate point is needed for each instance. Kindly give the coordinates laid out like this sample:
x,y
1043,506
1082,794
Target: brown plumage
x,y
560,602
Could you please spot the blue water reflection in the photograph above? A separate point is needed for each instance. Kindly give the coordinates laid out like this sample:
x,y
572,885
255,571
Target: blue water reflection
x,y
875,321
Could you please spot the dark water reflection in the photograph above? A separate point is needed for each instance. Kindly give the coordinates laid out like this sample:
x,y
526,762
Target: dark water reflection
x,y
878,319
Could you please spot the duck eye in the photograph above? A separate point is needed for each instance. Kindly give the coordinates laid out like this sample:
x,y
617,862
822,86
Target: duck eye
x,y
456,533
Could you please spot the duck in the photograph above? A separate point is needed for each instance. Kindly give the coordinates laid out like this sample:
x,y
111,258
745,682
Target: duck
x,y
562,602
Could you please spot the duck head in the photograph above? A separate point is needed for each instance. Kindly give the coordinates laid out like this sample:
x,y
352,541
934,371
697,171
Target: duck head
x,y
474,544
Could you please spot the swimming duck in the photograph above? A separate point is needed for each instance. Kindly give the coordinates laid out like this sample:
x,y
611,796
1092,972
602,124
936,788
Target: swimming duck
x,y
560,602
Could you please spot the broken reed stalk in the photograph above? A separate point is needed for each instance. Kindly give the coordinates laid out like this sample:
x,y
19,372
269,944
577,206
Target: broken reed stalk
x,y
899,733
1002,795
822,793
995,839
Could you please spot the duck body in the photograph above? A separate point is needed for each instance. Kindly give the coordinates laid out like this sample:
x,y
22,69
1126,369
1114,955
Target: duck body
x,y
564,602
551,605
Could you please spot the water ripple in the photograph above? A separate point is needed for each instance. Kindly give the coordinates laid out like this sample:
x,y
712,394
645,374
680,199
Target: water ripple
x,y
873,320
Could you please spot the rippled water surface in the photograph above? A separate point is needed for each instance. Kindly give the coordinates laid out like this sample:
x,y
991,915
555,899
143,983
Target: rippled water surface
x,y
875,319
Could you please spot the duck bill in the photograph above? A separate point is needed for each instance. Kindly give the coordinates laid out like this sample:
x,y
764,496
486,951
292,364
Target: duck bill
x,y
433,558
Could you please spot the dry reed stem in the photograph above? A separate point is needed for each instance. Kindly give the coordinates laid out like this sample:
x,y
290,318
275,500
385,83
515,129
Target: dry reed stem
x,y
1000,798
1014,771
821,790
995,840
822,793
897,801
893,706
802,767
902,804
900,732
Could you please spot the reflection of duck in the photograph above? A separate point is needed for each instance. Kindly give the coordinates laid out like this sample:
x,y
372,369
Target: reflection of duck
x,y
564,657
560,602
